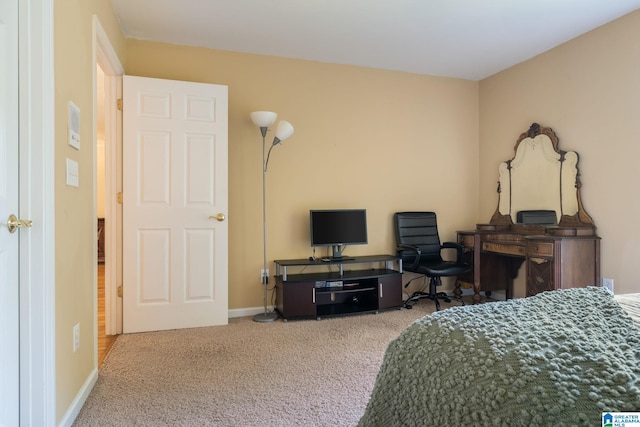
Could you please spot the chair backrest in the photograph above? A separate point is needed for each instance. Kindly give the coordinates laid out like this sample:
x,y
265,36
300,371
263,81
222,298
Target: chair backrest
x,y
418,229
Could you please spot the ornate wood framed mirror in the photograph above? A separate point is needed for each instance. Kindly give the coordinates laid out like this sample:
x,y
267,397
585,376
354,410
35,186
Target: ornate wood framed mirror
x,y
541,177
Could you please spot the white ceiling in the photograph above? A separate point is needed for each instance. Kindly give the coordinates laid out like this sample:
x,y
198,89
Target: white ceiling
x,y
469,39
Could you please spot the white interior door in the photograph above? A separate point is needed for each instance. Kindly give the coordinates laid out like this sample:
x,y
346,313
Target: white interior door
x,y
9,277
175,171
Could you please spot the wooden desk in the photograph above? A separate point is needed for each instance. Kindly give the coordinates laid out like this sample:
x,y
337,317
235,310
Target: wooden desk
x,y
555,257
539,180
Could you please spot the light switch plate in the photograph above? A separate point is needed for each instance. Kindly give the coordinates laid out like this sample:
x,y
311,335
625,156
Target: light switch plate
x,y
72,173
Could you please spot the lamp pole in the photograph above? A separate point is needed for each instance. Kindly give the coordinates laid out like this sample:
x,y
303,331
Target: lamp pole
x,y
266,316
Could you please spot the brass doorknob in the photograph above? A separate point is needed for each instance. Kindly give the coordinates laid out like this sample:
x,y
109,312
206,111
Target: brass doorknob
x,y
13,223
219,217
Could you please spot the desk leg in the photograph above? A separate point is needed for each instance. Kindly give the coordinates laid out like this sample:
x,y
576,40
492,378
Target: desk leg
x,y
457,292
470,279
476,271
476,294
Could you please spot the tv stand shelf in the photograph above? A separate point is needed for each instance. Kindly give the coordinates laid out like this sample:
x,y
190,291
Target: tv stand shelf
x,y
338,293
281,265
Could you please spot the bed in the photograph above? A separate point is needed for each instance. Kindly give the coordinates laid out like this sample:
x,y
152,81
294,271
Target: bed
x,y
558,358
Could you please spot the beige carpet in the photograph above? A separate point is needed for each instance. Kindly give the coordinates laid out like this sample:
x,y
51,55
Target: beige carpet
x,y
296,373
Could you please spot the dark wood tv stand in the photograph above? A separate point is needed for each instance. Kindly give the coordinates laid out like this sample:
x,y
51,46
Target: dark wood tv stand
x,y
338,292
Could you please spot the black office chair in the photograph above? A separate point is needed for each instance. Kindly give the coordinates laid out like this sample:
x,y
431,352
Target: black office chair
x,y
418,245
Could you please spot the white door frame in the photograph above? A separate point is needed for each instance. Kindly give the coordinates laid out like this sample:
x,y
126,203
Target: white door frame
x,y
37,202
106,57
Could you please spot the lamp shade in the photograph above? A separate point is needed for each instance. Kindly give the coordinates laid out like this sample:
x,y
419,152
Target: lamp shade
x,y
263,119
284,131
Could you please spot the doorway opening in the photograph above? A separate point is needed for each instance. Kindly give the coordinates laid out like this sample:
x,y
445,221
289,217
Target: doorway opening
x,y
105,342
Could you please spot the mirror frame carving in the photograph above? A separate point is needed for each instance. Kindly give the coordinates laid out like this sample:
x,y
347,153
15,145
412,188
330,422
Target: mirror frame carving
x,y
580,218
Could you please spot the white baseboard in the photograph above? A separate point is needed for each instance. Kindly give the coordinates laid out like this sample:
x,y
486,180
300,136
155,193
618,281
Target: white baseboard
x,y
78,402
499,295
243,312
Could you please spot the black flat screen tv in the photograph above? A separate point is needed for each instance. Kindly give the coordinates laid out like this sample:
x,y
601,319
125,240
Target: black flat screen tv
x,y
338,228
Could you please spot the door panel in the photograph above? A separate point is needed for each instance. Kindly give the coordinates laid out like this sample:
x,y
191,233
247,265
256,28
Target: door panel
x,y
175,183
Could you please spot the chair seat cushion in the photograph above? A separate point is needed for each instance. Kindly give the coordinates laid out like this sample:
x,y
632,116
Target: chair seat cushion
x,y
443,268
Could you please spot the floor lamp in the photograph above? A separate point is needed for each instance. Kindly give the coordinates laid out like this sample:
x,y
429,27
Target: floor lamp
x,y
264,119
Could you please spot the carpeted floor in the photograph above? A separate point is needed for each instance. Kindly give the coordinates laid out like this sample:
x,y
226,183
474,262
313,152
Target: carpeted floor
x,y
296,373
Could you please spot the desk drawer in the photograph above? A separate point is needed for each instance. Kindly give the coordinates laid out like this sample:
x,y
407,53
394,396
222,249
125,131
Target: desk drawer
x,y
504,248
466,240
544,249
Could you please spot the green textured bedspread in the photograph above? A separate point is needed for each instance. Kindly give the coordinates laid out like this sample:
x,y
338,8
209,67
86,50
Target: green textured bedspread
x,y
559,358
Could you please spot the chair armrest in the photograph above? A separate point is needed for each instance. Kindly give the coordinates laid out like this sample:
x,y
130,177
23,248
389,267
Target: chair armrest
x,y
415,249
458,247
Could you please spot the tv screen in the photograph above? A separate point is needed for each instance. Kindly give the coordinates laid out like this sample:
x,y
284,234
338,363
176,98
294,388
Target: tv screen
x,y
338,228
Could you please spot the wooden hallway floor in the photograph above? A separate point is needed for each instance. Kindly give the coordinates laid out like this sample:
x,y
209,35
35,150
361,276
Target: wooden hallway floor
x,y
104,341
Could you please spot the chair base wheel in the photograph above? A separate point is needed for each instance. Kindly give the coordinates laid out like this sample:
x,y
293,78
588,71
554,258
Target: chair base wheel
x,y
436,297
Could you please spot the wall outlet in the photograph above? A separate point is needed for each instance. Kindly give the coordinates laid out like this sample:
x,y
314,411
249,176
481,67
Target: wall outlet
x,y
76,337
607,283
264,276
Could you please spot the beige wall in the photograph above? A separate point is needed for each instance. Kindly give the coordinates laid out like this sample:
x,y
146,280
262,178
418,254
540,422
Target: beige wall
x,y
588,91
380,140
75,207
